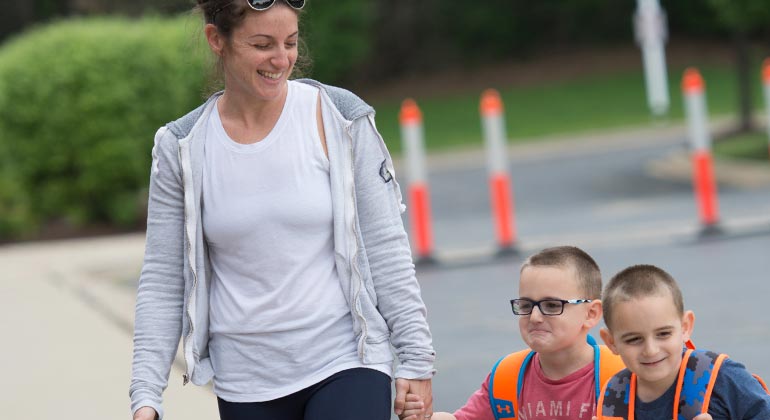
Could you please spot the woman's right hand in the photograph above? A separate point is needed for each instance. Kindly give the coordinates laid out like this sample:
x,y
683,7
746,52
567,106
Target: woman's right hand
x,y
145,413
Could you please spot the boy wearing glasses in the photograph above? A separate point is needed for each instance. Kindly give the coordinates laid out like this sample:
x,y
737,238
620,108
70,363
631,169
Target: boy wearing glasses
x,y
649,328
560,377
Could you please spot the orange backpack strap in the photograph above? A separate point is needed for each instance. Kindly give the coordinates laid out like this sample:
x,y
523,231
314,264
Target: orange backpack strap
x,y
761,382
505,384
606,364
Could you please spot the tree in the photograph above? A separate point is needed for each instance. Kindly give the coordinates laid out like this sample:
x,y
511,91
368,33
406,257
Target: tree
x,y
742,17
16,15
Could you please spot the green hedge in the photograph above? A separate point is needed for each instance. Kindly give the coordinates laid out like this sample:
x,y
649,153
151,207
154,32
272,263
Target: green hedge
x,y
80,101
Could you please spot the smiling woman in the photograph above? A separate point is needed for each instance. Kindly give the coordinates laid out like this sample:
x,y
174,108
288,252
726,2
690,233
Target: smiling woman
x,y
275,247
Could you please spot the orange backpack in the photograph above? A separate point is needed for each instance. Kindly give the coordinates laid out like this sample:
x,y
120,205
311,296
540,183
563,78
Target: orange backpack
x,y
507,377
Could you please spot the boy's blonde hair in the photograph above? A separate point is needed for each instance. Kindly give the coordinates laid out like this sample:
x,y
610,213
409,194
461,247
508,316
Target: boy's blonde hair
x,y
588,273
639,281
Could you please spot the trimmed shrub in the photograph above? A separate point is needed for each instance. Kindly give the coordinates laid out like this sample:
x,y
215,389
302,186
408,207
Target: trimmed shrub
x,y
80,101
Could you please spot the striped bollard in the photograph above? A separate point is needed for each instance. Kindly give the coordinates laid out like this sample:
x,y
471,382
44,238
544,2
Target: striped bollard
x,y
766,86
412,138
704,184
493,125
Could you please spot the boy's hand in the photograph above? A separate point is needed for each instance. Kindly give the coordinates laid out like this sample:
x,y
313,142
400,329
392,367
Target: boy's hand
x,y
413,408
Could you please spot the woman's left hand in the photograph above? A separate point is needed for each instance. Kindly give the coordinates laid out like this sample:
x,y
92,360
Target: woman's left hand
x,y
421,387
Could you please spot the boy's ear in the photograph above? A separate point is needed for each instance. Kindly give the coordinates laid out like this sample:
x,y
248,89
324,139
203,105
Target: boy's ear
x,y
608,339
594,314
688,324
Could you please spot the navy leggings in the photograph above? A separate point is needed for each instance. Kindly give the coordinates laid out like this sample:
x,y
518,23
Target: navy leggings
x,y
352,394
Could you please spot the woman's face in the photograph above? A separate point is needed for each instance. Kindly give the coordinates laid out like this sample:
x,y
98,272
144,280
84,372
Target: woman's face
x,y
261,54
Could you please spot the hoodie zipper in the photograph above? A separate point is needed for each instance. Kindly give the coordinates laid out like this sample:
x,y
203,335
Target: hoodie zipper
x,y
354,259
186,376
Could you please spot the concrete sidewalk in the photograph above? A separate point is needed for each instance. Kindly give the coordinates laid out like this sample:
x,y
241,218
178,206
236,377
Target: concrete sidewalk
x,y
66,321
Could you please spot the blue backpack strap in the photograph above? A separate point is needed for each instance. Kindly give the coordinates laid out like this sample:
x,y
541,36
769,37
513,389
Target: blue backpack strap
x,y
697,377
597,380
606,364
616,401
520,379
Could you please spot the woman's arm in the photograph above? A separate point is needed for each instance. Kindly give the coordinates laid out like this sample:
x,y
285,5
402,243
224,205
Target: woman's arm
x,y
160,294
388,253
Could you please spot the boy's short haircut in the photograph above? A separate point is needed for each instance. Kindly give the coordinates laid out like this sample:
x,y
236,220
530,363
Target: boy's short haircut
x,y
639,281
588,273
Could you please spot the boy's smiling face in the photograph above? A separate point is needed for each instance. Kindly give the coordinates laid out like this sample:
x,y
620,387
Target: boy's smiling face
x,y
551,334
648,333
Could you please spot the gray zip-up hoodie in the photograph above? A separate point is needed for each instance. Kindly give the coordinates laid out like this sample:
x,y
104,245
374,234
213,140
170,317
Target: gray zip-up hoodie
x,y
371,251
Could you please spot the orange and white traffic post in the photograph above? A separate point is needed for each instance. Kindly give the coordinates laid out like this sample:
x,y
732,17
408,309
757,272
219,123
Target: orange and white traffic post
x,y
704,183
493,126
412,138
766,86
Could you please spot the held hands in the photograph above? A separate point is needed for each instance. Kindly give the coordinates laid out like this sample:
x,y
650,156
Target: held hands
x,y
145,413
423,395
413,408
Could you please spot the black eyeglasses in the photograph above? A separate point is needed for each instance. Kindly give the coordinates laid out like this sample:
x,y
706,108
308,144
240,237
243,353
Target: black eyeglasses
x,y
266,4
548,307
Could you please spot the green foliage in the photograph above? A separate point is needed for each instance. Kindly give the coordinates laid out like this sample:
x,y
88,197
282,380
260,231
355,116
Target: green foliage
x,y
750,146
339,37
15,220
515,26
744,15
80,101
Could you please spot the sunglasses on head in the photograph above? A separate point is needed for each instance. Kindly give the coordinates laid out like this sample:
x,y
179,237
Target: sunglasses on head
x,y
266,4
260,5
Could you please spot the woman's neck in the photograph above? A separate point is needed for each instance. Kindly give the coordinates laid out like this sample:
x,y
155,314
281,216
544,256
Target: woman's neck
x,y
247,119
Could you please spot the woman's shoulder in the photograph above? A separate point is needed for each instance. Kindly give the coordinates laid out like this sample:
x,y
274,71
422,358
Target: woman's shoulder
x,y
350,105
182,126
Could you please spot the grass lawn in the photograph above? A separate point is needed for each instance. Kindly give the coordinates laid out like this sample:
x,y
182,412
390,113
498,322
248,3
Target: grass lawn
x,y
752,146
536,111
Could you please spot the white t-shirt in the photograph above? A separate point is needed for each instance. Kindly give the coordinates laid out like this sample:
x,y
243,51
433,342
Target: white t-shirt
x,y
280,321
